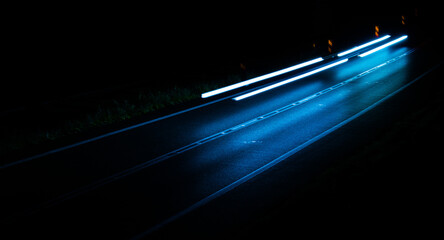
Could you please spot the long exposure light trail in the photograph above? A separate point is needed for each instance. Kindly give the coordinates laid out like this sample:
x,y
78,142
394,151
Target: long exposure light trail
x,y
260,78
241,97
383,46
363,46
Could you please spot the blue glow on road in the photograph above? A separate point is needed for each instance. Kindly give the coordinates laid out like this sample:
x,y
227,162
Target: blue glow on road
x,y
289,80
363,46
383,46
260,78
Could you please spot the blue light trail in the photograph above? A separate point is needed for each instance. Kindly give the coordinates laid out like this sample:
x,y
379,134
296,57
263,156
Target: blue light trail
x,y
363,46
241,97
383,46
260,78
298,66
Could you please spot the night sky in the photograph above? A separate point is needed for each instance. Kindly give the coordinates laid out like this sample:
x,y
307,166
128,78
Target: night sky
x,y
57,50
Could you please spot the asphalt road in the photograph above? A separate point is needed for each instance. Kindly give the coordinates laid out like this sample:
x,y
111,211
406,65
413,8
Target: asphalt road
x,y
148,178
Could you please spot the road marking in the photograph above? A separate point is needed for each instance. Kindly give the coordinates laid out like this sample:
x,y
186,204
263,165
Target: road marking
x,y
198,143
276,161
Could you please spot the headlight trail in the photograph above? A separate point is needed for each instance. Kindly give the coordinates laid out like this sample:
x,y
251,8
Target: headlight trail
x,y
298,66
241,97
363,46
260,78
383,46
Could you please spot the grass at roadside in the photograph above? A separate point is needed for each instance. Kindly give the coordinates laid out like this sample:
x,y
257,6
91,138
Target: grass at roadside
x,y
61,120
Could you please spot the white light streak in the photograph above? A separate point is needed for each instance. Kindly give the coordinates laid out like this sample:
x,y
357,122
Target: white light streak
x,y
260,78
383,46
241,97
363,46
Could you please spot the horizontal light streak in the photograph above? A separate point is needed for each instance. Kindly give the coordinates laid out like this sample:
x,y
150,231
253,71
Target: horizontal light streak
x,y
363,46
260,78
241,97
383,46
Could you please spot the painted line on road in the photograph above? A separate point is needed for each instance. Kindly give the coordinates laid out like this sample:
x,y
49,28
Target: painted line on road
x,y
215,136
276,161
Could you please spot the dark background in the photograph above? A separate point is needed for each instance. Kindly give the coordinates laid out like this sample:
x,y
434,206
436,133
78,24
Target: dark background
x,y
57,50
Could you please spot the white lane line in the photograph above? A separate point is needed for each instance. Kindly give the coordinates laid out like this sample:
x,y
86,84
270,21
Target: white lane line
x,y
274,162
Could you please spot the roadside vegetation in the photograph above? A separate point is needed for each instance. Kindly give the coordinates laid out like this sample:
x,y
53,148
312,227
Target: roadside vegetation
x,y
65,118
